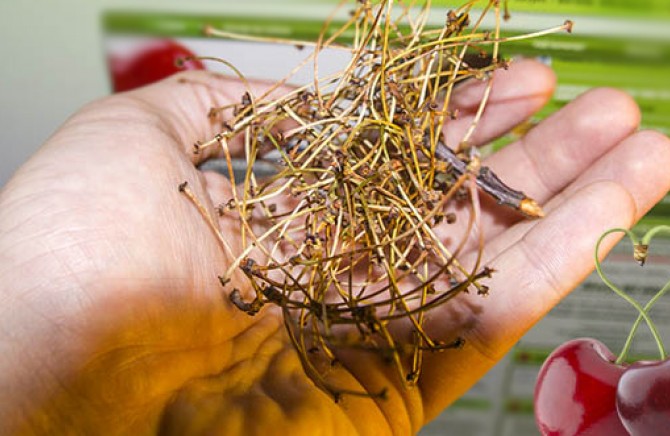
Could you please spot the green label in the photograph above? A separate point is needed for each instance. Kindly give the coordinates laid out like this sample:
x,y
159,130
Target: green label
x,y
179,25
625,8
612,8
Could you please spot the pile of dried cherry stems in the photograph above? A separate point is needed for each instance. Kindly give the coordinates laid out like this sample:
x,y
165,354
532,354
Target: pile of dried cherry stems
x,y
365,220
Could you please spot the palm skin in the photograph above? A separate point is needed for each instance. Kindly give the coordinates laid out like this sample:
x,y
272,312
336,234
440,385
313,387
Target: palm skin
x,y
113,319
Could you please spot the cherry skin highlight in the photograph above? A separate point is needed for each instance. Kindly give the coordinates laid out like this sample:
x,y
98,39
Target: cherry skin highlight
x,y
575,392
155,62
643,398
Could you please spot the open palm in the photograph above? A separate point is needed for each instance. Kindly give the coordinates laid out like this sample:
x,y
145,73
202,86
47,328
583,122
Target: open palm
x,y
113,319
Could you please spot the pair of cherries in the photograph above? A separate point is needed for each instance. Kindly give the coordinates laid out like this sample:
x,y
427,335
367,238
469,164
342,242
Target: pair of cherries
x,y
583,389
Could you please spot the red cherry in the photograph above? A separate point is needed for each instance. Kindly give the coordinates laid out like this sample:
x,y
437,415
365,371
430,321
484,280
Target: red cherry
x,y
575,392
155,62
643,398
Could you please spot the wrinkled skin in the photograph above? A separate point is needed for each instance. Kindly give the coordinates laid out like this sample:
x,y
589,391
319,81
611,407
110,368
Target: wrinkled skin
x,y
113,320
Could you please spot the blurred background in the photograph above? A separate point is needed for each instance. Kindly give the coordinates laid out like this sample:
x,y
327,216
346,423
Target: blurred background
x,y
53,61
58,55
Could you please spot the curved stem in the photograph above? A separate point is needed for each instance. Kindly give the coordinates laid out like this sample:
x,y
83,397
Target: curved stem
x,y
642,311
636,324
653,232
646,239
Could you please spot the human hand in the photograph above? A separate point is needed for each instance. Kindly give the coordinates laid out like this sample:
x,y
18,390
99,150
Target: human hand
x,y
113,318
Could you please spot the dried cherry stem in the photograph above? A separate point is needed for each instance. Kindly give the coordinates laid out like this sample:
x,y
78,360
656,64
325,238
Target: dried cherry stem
x,y
186,190
642,311
212,31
